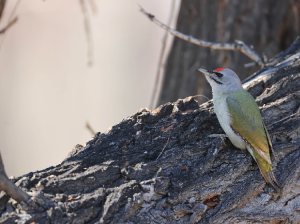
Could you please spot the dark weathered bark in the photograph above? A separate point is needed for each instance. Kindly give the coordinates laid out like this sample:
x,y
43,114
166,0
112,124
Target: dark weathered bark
x,y
117,177
269,25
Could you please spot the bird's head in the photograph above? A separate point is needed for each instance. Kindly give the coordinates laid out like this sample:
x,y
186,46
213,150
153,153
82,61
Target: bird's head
x,y
222,80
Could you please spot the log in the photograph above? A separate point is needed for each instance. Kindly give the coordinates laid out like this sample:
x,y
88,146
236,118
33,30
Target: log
x,y
161,167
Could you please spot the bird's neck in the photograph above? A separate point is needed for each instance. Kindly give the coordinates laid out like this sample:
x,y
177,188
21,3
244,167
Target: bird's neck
x,y
225,91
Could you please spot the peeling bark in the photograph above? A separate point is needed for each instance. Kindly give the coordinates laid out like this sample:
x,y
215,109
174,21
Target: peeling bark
x,y
117,178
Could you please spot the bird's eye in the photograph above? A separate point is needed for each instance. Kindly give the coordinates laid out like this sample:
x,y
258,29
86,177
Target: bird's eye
x,y
219,74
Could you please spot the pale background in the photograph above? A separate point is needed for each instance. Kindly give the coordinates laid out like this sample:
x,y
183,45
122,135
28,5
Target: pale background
x,y
47,90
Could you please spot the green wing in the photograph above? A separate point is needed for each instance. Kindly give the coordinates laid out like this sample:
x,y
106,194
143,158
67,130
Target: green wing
x,y
247,121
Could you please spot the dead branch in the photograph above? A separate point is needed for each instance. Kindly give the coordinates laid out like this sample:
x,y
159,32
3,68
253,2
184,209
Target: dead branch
x,y
10,20
87,32
237,46
10,188
88,126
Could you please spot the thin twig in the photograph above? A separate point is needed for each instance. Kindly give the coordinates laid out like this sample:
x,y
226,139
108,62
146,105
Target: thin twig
x,y
14,10
9,25
202,96
251,64
164,147
9,20
161,57
87,32
88,126
93,6
237,46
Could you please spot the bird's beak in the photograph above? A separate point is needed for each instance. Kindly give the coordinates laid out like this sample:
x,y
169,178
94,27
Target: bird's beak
x,y
205,72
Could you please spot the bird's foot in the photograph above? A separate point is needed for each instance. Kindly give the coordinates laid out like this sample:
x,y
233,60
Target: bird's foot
x,y
222,136
218,136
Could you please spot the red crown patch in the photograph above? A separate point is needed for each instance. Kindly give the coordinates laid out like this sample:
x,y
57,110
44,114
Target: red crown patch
x,y
218,69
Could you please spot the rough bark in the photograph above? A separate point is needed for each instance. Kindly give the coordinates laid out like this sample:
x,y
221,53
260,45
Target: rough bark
x,y
269,25
117,178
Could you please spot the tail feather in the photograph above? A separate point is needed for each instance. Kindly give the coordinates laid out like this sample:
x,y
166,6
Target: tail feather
x,y
274,178
269,177
266,170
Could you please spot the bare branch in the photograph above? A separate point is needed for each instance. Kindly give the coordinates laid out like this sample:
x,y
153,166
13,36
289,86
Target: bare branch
x,y
9,20
88,126
237,46
14,10
251,64
88,32
10,188
9,25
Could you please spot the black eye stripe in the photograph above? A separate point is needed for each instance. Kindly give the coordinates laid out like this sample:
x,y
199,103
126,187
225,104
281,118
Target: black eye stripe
x,y
219,74
216,80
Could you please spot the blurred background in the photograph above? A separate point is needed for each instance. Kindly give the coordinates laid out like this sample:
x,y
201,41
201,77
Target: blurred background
x,y
50,88
64,64
269,26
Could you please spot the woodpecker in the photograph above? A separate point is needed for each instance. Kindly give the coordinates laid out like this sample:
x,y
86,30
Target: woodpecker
x,y
240,118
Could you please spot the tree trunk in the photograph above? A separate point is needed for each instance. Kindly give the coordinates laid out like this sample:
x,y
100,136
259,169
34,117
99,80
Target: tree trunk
x,y
160,166
269,25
